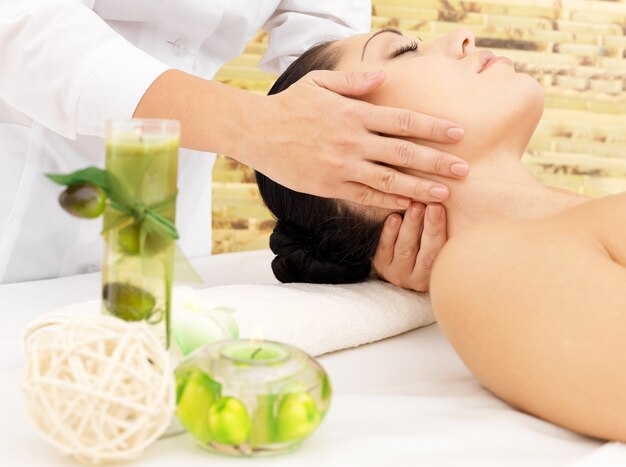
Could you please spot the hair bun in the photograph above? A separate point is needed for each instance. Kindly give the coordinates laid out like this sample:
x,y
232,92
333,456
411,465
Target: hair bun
x,y
287,239
297,259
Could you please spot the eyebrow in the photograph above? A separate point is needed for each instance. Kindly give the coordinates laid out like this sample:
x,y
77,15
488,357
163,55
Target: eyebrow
x,y
395,31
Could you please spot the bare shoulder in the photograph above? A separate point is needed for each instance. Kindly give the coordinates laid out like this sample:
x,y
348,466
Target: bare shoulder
x,y
536,308
604,219
504,259
471,263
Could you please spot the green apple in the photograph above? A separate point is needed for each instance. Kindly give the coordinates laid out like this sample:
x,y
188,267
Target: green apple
x,y
127,301
297,416
129,240
196,392
229,421
83,200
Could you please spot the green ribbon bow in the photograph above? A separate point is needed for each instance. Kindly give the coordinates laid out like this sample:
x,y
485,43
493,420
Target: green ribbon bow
x,y
148,218
120,198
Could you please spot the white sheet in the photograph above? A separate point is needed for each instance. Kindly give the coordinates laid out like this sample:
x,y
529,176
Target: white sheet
x,y
407,400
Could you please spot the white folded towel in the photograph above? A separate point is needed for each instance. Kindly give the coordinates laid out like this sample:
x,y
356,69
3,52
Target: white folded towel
x,y
321,318
318,318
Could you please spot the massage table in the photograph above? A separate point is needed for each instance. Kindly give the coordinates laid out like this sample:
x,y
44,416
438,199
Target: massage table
x,y
404,401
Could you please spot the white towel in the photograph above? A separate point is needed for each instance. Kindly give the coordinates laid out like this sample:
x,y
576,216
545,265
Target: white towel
x,y
317,318
321,318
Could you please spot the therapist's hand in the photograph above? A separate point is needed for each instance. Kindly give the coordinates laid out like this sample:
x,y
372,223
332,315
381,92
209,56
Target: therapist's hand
x,y
317,141
407,247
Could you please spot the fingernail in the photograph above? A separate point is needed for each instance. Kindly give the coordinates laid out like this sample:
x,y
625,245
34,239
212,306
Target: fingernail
x,y
459,169
392,221
434,213
455,133
416,211
372,74
439,192
403,202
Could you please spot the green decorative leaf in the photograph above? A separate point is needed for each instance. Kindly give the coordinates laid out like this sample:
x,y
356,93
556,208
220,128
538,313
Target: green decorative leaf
x,y
92,175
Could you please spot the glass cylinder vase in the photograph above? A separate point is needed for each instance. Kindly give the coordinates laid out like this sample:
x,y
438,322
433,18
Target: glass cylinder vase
x,y
137,271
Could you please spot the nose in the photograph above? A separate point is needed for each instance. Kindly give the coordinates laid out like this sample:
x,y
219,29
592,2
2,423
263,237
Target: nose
x,y
461,43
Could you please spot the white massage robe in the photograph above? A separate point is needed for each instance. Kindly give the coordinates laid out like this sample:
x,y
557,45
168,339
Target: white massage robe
x,y
66,66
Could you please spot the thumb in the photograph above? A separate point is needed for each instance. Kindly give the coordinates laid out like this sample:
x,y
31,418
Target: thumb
x,y
347,83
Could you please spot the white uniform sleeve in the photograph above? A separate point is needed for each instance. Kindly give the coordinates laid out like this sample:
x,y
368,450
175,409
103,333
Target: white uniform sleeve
x,y
65,68
297,25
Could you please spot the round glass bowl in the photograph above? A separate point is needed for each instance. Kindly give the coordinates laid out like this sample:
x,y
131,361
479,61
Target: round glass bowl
x,y
246,398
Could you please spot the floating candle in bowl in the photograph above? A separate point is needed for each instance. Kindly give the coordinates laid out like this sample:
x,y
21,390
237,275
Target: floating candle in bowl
x,y
251,398
252,353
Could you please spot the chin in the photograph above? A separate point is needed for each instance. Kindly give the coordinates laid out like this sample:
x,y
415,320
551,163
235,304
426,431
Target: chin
x,y
525,103
516,108
531,99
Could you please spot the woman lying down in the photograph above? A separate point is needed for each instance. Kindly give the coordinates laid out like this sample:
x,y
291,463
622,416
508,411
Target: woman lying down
x,y
531,287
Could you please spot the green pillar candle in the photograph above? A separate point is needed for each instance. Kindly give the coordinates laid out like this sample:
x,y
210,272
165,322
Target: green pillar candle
x,y
141,155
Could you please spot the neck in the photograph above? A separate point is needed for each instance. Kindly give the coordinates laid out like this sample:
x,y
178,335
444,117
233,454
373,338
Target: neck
x,y
499,187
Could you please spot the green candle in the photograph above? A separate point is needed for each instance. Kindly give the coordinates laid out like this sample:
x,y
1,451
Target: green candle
x,y
142,157
255,353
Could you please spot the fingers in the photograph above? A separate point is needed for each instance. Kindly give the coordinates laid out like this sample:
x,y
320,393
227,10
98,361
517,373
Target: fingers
x,y
434,238
389,180
387,242
403,153
406,248
397,248
401,257
347,83
368,196
403,122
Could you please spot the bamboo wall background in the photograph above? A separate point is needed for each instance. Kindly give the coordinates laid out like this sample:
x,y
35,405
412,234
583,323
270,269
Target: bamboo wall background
x,y
575,48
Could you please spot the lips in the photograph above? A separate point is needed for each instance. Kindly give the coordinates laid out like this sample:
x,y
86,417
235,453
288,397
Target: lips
x,y
486,58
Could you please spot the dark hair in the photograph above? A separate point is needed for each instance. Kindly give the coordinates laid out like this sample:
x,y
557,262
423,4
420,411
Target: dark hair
x,y
316,239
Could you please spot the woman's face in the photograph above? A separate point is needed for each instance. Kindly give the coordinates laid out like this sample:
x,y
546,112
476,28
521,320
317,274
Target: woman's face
x,y
451,79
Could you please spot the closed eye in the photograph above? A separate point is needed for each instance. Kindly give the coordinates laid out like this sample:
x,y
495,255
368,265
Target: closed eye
x,y
412,47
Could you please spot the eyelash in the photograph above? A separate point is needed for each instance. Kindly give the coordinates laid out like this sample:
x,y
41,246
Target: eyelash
x,y
412,47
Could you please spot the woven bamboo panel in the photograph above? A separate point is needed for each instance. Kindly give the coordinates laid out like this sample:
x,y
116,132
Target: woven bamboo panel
x,y
576,49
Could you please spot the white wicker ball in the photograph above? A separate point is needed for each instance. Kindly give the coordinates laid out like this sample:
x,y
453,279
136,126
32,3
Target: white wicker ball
x,y
98,388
